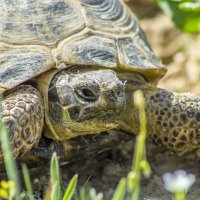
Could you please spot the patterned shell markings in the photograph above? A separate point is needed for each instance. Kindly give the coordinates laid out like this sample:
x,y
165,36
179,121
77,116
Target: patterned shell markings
x,y
90,32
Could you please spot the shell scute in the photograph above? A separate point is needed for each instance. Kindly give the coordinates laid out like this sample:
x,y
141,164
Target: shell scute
x,y
109,16
20,64
134,57
39,22
90,49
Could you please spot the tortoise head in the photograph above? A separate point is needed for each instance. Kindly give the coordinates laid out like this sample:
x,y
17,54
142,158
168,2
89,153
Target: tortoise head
x,y
84,100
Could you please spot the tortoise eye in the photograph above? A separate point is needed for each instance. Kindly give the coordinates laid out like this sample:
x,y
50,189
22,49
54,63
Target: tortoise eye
x,y
87,94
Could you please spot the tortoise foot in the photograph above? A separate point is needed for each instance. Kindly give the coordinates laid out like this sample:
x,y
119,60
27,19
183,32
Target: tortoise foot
x,y
23,115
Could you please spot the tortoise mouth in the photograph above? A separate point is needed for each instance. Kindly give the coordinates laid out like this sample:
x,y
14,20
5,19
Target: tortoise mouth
x,y
79,113
94,123
108,115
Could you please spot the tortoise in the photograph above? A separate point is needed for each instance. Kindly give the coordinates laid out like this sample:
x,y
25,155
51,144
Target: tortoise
x,y
69,69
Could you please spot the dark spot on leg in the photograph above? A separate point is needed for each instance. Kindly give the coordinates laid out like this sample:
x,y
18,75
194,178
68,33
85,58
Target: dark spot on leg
x,y
175,118
26,133
158,122
165,124
17,143
175,133
30,141
173,140
165,109
171,125
9,123
174,110
160,118
197,136
160,143
161,112
165,139
183,138
155,142
192,124
156,112
191,135
20,104
17,112
30,107
9,106
179,124
155,136
183,117
152,97
155,101
23,120
190,113
169,114
157,95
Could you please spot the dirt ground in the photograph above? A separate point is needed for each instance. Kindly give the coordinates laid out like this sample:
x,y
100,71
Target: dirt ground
x,y
180,53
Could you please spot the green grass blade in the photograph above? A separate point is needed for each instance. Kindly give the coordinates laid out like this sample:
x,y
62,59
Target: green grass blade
x,y
71,188
94,196
139,164
82,195
27,181
56,192
120,191
10,164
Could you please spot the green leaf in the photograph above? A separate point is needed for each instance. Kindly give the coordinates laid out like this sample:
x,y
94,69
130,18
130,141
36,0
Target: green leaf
x,y
10,163
120,191
187,6
184,13
71,188
56,192
27,182
83,194
94,196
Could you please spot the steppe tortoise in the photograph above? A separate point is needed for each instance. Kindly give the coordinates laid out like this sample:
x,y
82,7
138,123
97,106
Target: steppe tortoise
x,y
69,68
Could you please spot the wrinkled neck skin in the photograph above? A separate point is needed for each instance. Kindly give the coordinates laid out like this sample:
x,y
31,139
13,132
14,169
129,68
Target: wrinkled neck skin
x,y
173,119
130,119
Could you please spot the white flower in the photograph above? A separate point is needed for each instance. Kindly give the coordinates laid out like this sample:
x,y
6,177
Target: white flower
x,y
179,181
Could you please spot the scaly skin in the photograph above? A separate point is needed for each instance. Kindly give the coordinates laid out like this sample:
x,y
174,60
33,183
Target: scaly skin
x,y
173,119
23,114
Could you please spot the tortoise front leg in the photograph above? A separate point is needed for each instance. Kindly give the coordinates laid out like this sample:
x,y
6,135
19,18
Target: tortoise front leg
x,y
80,147
23,115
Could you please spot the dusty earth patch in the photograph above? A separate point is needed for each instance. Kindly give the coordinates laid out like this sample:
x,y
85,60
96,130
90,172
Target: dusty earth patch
x,y
180,52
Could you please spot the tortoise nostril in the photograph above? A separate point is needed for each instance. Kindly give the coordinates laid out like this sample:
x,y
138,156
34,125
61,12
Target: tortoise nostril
x,y
119,92
119,89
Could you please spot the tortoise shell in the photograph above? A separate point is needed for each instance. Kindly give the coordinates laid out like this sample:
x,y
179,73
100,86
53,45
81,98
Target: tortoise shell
x,y
36,36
